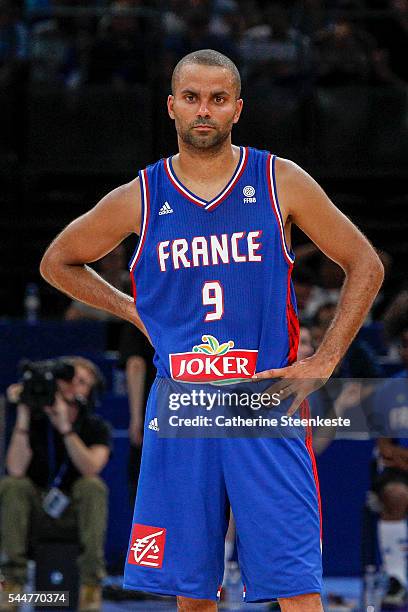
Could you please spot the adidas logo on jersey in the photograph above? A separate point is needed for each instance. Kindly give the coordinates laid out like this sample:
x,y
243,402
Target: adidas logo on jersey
x,y
154,424
166,209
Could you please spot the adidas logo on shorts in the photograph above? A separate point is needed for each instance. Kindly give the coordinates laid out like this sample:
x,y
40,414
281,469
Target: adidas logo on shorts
x,y
166,209
154,424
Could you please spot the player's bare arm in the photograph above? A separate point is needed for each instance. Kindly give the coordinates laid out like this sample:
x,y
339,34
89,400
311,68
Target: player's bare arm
x,y
304,203
87,239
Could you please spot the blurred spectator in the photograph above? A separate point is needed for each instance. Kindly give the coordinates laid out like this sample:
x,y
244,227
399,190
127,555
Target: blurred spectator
x,y
37,8
13,76
321,321
54,59
173,18
391,479
226,19
196,35
112,268
309,16
330,401
391,34
305,348
396,318
304,285
344,54
274,51
359,361
13,43
317,281
119,55
53,489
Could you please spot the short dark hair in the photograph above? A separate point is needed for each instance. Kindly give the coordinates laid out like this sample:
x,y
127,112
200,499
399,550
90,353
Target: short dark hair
x,y
208,57
99,380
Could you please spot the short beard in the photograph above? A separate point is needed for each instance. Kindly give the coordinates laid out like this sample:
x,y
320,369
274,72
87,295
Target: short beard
x,y
196,141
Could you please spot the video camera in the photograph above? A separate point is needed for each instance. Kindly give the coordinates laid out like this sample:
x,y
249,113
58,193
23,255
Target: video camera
x,y
40,382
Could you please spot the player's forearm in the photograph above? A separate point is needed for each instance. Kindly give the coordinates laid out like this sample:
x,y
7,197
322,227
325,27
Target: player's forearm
x,y
81,456
19,453
84,284
363,280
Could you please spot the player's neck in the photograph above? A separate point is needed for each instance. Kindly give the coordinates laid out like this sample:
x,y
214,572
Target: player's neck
x,y
202,165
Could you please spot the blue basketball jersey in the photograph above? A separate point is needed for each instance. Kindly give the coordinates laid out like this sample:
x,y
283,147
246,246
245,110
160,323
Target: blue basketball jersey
x,y
212,279
212,285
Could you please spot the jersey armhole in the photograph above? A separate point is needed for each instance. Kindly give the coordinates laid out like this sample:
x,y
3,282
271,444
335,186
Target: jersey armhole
x,y
273,192
145,201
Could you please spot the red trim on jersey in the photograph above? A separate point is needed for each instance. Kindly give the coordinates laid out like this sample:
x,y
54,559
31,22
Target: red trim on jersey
x,y
274,205
132,279
203,203
305,413
185,195
234,182
146,200
293,323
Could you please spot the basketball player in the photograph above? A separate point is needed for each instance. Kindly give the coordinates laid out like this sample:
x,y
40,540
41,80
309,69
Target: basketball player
x,y
213,266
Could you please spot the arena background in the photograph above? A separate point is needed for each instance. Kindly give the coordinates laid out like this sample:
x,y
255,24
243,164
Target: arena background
x,y
83,87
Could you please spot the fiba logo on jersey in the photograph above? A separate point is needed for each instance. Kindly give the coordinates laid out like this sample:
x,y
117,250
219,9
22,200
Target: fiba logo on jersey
x,y
249,193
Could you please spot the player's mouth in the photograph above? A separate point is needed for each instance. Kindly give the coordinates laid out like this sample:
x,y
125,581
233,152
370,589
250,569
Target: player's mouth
x,y
203,127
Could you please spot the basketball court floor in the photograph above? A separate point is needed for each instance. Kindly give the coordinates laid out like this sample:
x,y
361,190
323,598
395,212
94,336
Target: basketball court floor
x,y
348,588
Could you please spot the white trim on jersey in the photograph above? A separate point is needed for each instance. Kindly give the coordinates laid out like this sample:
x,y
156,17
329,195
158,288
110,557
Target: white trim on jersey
x,y
145,209
196,199
290,257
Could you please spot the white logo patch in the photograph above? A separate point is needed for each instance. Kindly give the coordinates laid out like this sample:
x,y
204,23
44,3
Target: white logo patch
x,y
249,193
166,209
154,424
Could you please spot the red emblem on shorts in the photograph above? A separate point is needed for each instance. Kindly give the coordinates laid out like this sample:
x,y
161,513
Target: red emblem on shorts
x,y
147,547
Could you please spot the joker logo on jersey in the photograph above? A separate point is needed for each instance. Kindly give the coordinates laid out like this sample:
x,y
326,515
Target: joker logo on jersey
x,y
212,361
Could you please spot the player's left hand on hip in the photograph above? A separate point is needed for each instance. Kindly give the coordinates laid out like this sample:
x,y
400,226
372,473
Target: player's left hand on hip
x,y
299,379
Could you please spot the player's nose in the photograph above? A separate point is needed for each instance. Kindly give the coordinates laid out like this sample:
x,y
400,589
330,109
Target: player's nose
x,y
203,110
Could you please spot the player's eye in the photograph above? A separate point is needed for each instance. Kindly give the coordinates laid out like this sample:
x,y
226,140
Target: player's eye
x,y
190,97
219,99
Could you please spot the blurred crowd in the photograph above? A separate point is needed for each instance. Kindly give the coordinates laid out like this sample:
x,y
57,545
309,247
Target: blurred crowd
x,y
318,281
297,43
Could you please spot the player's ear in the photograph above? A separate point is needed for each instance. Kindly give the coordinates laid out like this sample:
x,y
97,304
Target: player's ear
x,y
238,109
170,102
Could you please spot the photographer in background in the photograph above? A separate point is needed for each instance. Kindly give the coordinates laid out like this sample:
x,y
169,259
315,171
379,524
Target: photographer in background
x,y
54,459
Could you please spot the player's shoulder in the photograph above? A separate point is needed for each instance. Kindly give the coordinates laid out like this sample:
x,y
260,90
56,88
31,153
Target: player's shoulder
x,y
293,180
156,165
287,168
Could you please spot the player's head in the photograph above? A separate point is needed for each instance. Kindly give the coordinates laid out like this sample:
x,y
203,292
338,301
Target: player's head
x,y
205,101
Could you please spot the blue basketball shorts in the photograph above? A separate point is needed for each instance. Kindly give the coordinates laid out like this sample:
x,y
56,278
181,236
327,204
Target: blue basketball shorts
x,y
185,492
